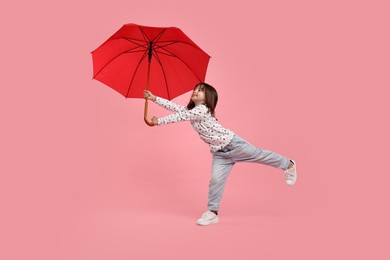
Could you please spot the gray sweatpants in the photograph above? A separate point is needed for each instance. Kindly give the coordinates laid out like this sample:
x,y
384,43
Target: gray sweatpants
x,y
238,150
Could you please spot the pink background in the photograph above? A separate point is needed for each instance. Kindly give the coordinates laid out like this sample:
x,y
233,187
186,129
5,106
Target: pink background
x,y
82,176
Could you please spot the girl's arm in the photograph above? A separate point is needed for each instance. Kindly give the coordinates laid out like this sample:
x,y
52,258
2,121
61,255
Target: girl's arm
x,y
195,114
182,113
163,102
169,104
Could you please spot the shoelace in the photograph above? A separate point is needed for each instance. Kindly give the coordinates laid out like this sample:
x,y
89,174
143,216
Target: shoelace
x,y
206,214
289,174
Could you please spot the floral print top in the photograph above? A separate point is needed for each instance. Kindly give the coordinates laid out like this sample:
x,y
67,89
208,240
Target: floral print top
x,y
207,126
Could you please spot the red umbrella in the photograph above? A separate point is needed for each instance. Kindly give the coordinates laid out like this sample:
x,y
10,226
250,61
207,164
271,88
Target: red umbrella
x,y
163,60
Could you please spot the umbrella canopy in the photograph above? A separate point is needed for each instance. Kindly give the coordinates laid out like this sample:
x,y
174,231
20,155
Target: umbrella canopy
x,y
162,60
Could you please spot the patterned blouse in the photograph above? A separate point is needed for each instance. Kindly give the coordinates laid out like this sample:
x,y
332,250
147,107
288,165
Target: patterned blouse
x,y
207,126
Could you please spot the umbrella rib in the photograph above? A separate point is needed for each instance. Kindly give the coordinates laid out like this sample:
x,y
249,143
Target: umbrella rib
x,y
105,65
173,42
167,43
131,51
163,71
168,54
135,72
173,55
142,44
150,40
144,34
132,40
156,39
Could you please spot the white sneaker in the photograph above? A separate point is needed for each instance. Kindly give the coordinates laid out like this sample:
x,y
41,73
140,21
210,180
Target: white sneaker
x,y
207,218
291,174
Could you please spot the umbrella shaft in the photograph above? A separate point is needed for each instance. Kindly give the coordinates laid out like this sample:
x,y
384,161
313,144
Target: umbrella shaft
x,y
150,50
149,60
148,122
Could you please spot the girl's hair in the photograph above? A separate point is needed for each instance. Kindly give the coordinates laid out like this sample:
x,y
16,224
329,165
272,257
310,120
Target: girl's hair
x,y
211,97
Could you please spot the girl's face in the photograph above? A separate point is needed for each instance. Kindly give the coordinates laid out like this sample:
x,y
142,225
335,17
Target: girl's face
x,y
198,96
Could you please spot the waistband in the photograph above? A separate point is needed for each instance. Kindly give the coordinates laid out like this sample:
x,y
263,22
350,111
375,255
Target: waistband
x,y
226,147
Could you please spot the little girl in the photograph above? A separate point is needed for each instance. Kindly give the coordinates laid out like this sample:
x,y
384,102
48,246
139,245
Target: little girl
x,y
227,148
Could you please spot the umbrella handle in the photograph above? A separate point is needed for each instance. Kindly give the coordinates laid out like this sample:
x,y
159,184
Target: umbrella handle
x,y
147,121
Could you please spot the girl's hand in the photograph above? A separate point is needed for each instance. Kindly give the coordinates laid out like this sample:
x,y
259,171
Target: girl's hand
x,y
148,95
154,120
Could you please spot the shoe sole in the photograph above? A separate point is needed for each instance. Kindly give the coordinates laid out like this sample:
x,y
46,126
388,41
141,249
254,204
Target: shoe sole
x,y
206,224
296,175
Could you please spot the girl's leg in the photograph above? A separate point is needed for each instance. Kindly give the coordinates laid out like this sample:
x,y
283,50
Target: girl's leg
x,y
221,168
245,152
